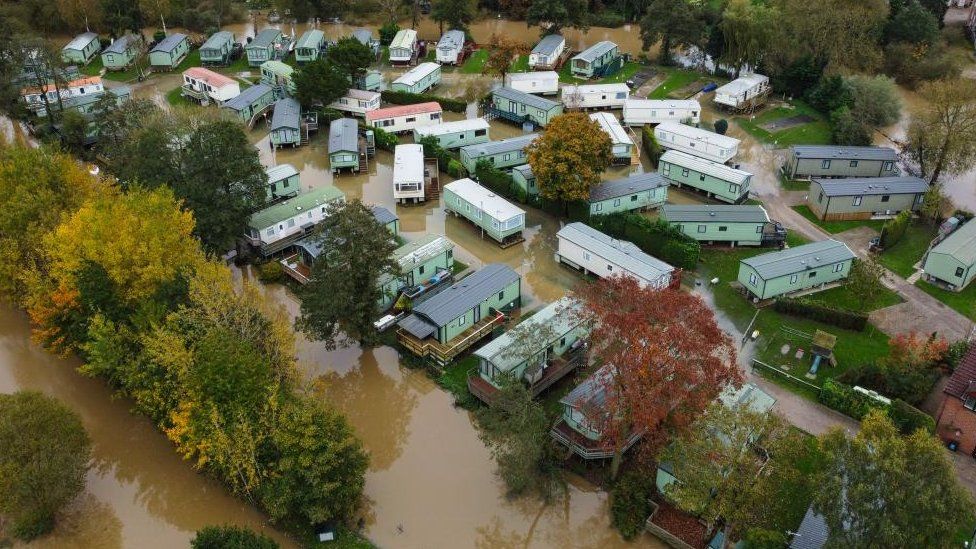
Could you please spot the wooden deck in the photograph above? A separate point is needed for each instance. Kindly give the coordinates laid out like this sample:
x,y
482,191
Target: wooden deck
x,y
584,447
444,353
557,369
294,268
432,182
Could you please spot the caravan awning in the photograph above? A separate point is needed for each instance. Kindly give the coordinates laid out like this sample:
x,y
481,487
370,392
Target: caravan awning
x,y
417,327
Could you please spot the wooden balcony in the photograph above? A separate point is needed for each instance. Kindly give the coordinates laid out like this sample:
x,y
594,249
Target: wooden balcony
x,y
556,369
197,95
293,267
585,447
445,353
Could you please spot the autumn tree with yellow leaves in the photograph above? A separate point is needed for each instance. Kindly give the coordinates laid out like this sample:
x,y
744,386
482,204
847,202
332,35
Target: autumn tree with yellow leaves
x,y
569,157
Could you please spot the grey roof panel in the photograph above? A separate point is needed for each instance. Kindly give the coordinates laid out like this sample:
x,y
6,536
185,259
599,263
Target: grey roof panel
x,y
287,114
812,533
800,258
383,215
247,97
451,39
526,98
627,185
169,43
463,295
547,46
79,42
417,326
844,152
264,38
525,170
217,40
596,50
343,135
625,254
862,186
365,36
694,213
120,44
591,394
503,145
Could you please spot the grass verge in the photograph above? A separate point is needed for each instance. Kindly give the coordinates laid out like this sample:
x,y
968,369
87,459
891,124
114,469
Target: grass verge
x,y
521,64
834,227
175,98
963,302
817,132
677,79
475,63
902,257
93,68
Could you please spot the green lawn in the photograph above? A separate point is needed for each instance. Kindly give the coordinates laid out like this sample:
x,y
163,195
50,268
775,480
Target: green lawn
x,y
901,257
173,97
127,75
239,65
793,184
566,75
817,132
677,79
93,68
191,60
844,298
834,227
475,62
521,64
624,74
963,302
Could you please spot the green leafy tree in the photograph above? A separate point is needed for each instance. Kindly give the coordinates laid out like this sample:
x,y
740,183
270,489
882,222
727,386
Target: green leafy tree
x,y
880,489
942,137
747,29
830,93
44,455
551,16
569,157
230,537
912,24
875,100
865,283
935,204
74,131
675,23
340,298
630,502
351,57
121,16
320,83
458,14
848,129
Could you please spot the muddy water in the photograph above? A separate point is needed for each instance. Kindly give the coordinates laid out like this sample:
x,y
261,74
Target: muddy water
x,y
138,493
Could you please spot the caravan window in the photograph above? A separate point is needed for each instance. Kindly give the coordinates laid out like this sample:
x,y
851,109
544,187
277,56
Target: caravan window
x,y
886,166
793,279
885,197
753,279
684,172
838,267
621,95
856,201
616,202
411,119
959,271
853,163
825,165
479,133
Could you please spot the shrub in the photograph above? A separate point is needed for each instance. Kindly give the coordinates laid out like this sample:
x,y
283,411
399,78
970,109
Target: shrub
x,y
848,129
385,140
909,384
269,272
445,160
651,145
830,94
759,538
721,126
894,229
955,353
495,179
909,418
656,238
911,64
846,400
456,169
630,503
875,100
225,537
387,32
407,98
835,316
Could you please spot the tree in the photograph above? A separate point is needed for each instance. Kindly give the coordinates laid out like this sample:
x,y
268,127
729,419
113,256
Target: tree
x,y
152,9
675,23
120,16
848,129
569,157
935,204
458,14
721,126
351,57
44,455
340,298
875,100
230,537
80,13
942,137
831,93
320,83
551,16
747,28
502,52
74,131
668,358
865,283
879,489
912,24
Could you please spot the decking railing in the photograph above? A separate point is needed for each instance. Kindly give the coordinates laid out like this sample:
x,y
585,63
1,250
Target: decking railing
x,y
584,447
554,371
444,353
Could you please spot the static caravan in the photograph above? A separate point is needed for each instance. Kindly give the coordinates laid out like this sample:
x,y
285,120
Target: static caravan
x,y
952,262
450,46
865,197
357,102
366,38
309,46
738,225
495,216
541,82
408,174
286,123
343,144
122,53
638,112
283,181
795,269
521,107
545,55
808,161
403,47
580,428
218,49
523,177
81,49
595,96
635,192
386,218
594,60
502,154
418,79
204,85
250,102
696,141
745,92
73,90
587,249
371,81
266,46
279,76
404,118
419,261
276,227
716,180
169,52
453,135
622,145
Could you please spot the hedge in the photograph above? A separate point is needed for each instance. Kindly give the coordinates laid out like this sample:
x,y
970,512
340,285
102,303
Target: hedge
x,y
497,180
651,146
407,98
385,140
656,238
894,229
909,418
846,400
445,160
835,316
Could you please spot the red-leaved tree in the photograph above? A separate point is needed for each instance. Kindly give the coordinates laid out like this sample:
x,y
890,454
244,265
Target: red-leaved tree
x,y
669,358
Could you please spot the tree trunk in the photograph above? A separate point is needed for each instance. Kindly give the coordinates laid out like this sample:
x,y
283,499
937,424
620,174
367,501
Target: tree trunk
x,y
163,21
665,55
943,151
618,458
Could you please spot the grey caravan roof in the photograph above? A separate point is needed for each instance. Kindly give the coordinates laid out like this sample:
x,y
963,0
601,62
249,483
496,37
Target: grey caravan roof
x,y
627,185
79,42
525,170
728,213
364,36
799,259
287,114
463,295
591,394
855,186
120,44
451,39
343,135
217,40
547,46
812,533
504,145
830,152
170,42
247,97
623,253
527,98
265,38
382,215
596,50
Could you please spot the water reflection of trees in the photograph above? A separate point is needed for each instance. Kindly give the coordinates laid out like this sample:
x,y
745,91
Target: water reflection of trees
x,y
86,522
549,525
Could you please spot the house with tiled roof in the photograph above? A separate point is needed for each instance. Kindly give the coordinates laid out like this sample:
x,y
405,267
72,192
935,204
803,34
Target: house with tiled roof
x,y
957,416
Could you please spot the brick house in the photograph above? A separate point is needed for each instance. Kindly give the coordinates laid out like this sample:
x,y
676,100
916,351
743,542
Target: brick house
x,y
957,415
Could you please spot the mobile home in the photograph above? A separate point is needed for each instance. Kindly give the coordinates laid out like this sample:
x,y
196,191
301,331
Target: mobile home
x,y
697,142
276,227
404,118
344,144
453,135
595,96
205,85
250,102
521,107
357,102
309,46
81,49
717,181
638,112
367,38
745,92
808,161
541,82
497,217
218,49
585,416
386,218
75,89
622,145
283,181
286,123
169,52
523,177
279,76
865,197
795,269
502,154
268,45
403,47
587,249
419,261
408,174
545,55
952,262
594,61
371,81
122,53
450,46
634,192
737,225
418,79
